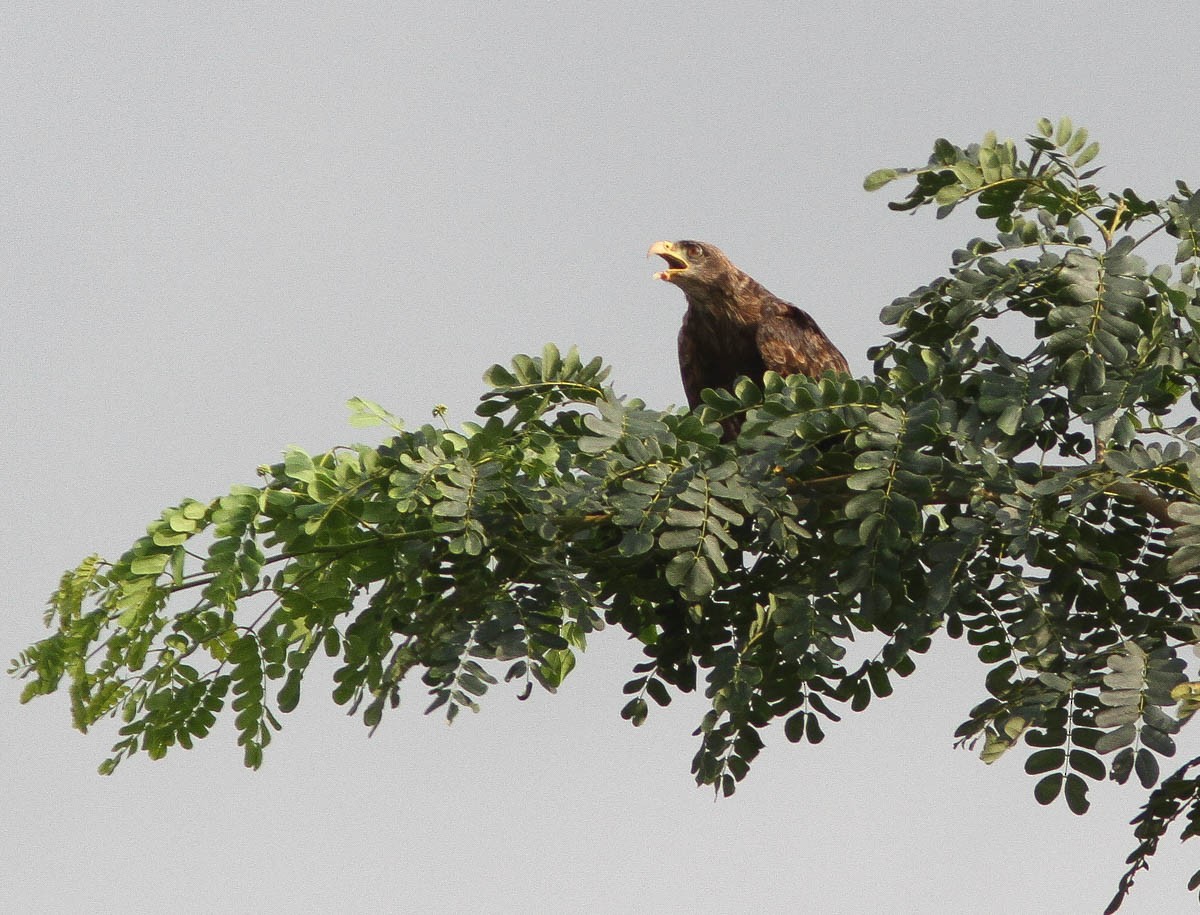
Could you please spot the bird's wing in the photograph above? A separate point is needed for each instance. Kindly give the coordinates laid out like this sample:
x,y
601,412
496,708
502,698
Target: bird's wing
x,y
791,343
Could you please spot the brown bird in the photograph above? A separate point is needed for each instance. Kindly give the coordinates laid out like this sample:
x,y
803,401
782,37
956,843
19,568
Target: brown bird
x,y
733,326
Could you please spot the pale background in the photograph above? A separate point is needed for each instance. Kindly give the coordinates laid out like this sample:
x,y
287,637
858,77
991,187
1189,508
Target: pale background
x,y
219,222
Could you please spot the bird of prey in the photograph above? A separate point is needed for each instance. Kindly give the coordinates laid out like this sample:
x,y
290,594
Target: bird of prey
x,y
733,326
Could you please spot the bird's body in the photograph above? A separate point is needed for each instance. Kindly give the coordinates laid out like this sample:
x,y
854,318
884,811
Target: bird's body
x,y
734,326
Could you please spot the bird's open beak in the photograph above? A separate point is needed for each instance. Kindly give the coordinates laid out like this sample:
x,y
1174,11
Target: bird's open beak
x,y
668,252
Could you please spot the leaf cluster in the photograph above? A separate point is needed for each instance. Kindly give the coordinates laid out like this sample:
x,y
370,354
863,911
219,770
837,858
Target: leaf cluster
x,y
1038,500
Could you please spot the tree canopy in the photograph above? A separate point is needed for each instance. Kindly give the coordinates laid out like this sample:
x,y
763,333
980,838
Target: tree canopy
x,y
1021,470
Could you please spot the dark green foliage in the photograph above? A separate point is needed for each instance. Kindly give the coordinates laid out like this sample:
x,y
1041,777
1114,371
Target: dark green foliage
x,y
1038,501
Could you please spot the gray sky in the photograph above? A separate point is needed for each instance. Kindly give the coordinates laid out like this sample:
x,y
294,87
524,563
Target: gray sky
x,y
218,225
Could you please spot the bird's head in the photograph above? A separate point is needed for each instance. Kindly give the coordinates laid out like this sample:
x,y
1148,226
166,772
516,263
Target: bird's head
x,y
691,264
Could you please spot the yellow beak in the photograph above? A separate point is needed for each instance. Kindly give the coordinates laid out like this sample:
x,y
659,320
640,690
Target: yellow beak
x,y
668,252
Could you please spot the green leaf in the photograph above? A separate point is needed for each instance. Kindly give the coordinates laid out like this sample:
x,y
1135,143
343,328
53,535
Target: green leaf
x,y
658,692
679,539
813,731
949,194
635,543
1114,740
1146,766
880,685
1065,129
1184,512
1122,765
298,465
1077,141
1157,741
1089,153
153,564
289,694
691,575
1087,764
1121,697
450,509
793,728
635,711
1047,790
1076,793
868,479
1045,761
499,377
1010,419
551,362
366,413
1157,718
879,178
1118,715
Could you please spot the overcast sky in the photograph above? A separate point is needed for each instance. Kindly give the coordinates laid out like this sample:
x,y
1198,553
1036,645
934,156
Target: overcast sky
x,y
217,225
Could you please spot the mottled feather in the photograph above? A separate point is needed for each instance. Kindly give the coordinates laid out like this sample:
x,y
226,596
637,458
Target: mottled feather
x,y
734,326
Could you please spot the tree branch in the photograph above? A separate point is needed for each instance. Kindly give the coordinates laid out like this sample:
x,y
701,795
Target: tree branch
x,y
1144,498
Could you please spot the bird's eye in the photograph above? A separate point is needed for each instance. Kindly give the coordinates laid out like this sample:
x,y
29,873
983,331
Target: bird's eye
x,y
695,251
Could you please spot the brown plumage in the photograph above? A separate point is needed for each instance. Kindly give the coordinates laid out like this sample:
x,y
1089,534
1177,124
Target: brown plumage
x,y
733,326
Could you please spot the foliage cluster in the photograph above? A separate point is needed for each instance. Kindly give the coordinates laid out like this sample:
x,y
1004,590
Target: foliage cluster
x,y
1040,499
